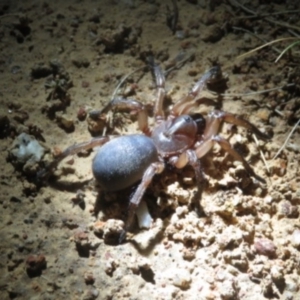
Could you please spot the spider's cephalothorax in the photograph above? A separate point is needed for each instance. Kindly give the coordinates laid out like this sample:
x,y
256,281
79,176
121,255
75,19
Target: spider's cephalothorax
x,y
179,139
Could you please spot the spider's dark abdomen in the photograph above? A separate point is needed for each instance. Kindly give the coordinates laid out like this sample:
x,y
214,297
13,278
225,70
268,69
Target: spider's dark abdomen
x,y
122,161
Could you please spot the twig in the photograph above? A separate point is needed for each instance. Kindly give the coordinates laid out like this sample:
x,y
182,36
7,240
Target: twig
x,y
261,153
248,10
286,140
178,64
278,112
237,4
107,107
258,92
292,32
172,17
10,15
123,80
250,32
95,114
267,44
269,14
282,24
290,46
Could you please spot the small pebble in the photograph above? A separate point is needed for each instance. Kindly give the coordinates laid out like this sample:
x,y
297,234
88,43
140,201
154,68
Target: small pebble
x,y
145,239
15,69
295,238
81,114
265,247
89,278
180,278
35,265
227,290
66,123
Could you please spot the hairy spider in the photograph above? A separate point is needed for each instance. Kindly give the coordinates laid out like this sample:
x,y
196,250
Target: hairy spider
x,y
178,139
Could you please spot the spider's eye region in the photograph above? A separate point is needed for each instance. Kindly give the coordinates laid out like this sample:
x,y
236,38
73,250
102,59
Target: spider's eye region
x,y
187,119
200,121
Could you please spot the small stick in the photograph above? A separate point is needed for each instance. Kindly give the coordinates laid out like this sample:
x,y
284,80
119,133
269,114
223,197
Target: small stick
x,y
248,10
123,80
288,48
261,153
278,112
269,14
96,113
10,15
172,18
282,24
292,32
286,140
264,45
258,92
179,64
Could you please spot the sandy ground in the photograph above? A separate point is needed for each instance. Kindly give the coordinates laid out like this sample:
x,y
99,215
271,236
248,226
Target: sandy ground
x,y
59,62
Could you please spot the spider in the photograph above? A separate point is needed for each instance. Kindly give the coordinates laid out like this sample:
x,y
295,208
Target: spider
x,y
181,138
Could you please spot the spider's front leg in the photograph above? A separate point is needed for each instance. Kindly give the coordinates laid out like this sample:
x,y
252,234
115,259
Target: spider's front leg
x,y
210,136
159,78
187,103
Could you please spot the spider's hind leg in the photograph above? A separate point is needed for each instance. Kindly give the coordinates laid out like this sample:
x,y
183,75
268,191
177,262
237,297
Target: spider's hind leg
x,y
72,150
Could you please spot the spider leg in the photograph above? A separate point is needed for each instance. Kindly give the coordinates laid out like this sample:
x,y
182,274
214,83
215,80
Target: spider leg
x,y
184,105
188,107
72,150
200,180
120,104
189,157
239,121
154,168
227,147
159,78
210,136
206,145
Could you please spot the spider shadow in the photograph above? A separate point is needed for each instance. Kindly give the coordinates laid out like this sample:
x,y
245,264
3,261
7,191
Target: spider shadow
x,y
75,187
67,186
